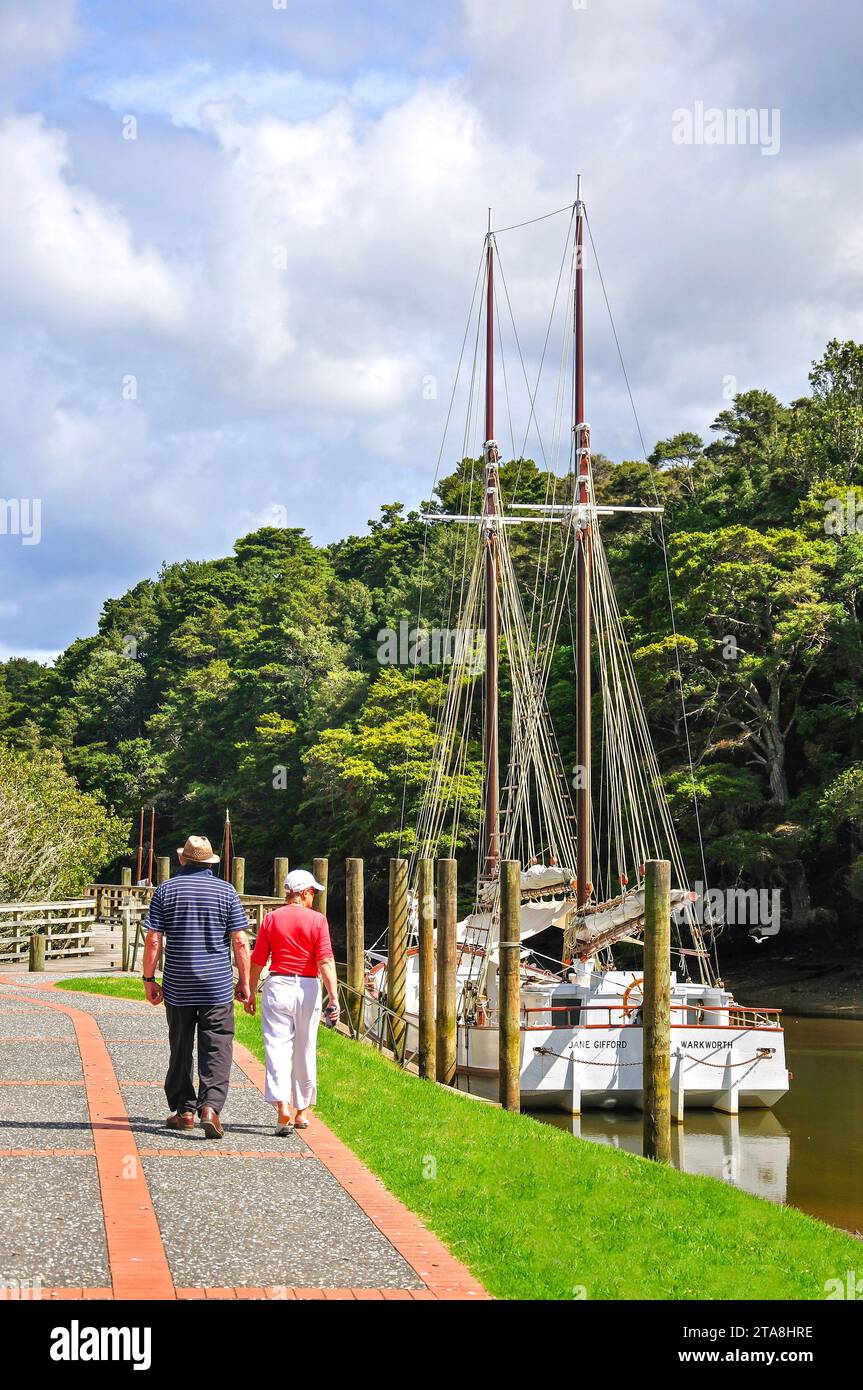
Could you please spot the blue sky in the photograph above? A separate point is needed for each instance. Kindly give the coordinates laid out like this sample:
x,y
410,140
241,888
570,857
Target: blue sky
x,y
233,317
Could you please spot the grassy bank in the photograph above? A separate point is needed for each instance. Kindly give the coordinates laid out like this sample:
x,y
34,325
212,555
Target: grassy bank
x,y
535,1213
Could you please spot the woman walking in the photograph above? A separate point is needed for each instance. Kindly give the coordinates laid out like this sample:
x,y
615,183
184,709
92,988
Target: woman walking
x,y
295,940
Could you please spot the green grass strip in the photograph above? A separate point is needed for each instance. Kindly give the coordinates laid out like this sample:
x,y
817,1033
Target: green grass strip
x,y
535,1213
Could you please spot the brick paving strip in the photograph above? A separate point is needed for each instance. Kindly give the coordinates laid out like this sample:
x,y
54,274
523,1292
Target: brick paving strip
x,y
138,1262
136,1255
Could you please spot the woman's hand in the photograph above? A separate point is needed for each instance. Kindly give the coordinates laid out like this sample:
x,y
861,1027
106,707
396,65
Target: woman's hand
x,y
250,1005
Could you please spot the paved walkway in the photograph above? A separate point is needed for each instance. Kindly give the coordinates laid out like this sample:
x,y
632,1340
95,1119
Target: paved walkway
x,y
99,1201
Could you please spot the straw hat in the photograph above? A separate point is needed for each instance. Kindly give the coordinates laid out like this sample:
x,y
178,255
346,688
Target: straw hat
x,y
198,850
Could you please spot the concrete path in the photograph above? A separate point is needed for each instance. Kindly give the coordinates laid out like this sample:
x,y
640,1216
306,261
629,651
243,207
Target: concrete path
x,y
99,1201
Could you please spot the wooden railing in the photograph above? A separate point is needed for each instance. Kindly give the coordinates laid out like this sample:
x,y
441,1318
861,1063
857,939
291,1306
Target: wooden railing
x,y
111,898
67,925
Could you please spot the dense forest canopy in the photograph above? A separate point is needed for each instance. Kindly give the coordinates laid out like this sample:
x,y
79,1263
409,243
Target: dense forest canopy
x,y
254,681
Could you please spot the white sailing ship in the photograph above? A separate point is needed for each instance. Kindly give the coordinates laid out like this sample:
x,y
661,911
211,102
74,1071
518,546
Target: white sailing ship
x,y
581,1033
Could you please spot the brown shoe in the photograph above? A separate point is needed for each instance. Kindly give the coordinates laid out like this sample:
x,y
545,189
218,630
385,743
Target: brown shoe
x,y
211,1124
185,1119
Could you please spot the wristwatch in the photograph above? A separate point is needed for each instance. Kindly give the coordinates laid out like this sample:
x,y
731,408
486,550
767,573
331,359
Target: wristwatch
x,y
149,979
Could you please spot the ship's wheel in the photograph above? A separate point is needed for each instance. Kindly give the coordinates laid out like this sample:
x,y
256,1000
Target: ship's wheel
x,y
637,984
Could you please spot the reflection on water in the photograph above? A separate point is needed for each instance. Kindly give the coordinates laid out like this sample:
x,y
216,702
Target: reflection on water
x,y
808,1151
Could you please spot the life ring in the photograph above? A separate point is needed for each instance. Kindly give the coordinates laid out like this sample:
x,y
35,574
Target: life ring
x,y
633,984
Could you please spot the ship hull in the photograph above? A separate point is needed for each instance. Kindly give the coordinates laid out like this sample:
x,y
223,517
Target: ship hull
x,y
595,1068
585,1052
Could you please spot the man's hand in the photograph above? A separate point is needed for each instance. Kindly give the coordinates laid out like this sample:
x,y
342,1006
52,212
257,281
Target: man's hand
x,y
242,993
153,993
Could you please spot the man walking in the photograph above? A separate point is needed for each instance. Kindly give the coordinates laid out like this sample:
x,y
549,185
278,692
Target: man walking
x,y
202,919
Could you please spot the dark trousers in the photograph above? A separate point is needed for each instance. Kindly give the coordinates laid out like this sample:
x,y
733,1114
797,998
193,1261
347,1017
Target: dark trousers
x,y
215,1025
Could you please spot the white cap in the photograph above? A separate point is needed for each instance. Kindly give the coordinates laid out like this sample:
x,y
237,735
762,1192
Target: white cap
x,y
300,879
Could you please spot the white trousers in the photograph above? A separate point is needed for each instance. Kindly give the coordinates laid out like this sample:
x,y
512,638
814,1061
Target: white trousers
x,y
290,1014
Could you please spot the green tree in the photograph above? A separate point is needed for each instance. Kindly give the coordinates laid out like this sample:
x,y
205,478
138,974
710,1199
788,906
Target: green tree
x,y
53,837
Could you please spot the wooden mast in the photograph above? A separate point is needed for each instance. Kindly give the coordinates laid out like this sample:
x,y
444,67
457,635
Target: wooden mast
x,y
491,508
140,845
582,610
152,842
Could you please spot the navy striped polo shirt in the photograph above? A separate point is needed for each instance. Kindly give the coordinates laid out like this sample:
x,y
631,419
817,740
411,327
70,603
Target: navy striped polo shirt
x,y
197,912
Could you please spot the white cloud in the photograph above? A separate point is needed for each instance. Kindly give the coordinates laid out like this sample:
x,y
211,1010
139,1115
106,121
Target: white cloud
x,y
43,655
34,32
183,92
282,346
66,254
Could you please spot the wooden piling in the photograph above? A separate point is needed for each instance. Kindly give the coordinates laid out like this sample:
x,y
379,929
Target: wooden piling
x,y
321,871
126,918
446,1040
508,985
397,955
656,1011
163,868
125,899
356,939
425,894
281,868
238,874
38,942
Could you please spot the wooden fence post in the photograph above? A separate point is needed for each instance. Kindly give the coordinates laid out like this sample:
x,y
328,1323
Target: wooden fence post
x,y
356,940
656,1012
446,1040
397,955
321,871
425,894
508,982
126,915
125,878
281,868
38,942
163,868
238,874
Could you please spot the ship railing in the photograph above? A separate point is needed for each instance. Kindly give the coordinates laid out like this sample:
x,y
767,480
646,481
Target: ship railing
x,y
379,1025
738,1015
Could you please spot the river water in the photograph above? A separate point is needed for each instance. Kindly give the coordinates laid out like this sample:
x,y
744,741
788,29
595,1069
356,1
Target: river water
x,y
808,1151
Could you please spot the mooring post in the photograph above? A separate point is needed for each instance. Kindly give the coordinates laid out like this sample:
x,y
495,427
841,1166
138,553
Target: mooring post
x,y
425,894
126,914
321,871
397,955
125,900
281,868
38,942
163,868
356,940
238,875
446,1042
656,1013
508,981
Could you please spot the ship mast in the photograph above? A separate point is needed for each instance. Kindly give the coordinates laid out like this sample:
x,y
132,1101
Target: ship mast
x,y
581,432
140,846
491,509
